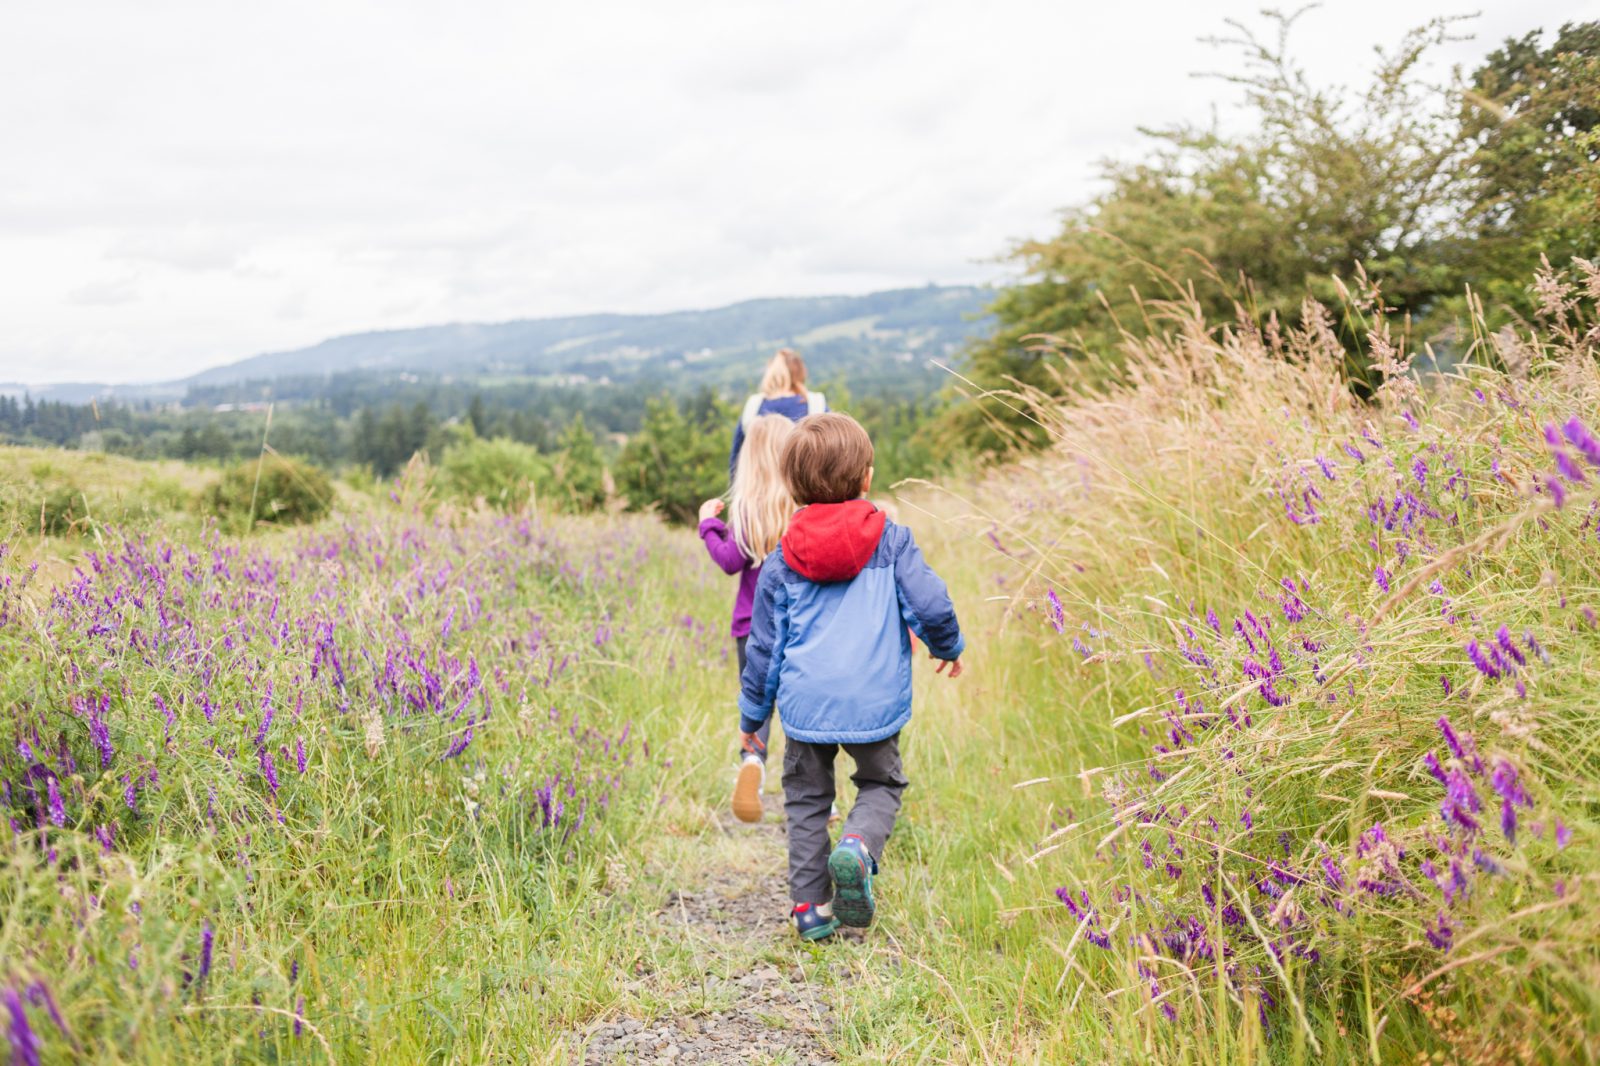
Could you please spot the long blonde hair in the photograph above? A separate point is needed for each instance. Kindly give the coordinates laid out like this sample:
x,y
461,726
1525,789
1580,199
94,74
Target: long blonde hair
x,y
760,505
785,375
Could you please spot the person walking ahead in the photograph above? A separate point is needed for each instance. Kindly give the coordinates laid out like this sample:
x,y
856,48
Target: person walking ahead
x,y
828,646
783,392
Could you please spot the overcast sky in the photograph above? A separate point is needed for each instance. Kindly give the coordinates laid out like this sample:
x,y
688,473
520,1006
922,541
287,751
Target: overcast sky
x,y
185,184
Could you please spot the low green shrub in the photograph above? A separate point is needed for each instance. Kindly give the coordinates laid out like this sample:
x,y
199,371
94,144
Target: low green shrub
x,y
503,473
274,489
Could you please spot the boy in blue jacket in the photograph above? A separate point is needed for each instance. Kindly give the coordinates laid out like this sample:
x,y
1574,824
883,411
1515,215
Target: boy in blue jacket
x,y
828,644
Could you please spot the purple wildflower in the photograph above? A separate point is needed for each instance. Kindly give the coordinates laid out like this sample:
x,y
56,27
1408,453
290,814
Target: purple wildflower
x,y
300,753
100,733
1058,617
1558,492
268,770
1503,637
1381,576
206,937
58,809
1568,469
1563,835
1512,795
1431,762
1481,661
1440,933
24,1043
1419,470
1460,802
1327,468
1244,819
1579,437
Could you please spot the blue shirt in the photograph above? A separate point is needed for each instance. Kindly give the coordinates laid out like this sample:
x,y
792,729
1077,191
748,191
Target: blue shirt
x,y
793,407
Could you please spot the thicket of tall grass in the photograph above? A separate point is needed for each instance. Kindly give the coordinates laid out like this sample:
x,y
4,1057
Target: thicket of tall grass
x,y
1301,691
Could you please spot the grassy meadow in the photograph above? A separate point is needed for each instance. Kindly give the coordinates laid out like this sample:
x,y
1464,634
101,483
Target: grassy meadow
x,y
1278,744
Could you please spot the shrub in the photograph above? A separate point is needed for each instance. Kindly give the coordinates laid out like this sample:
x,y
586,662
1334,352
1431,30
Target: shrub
x,y
501,472
284,491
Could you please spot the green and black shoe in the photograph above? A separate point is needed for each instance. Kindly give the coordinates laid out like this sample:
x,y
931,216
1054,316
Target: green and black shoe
x,y
852,868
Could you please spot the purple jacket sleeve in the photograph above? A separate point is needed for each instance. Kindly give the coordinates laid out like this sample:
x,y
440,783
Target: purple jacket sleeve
x,y
721,546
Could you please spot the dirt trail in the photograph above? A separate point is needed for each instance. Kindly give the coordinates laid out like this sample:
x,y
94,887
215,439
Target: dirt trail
x,y
755,1004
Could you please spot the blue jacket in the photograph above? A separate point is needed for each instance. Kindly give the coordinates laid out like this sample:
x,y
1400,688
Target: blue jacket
x,y
828,642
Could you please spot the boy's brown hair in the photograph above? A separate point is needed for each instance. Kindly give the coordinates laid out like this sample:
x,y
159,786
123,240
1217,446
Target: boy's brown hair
x,y
826,459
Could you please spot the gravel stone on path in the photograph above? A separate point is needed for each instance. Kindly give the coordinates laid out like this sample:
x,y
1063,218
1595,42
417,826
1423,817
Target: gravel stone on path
x,y
739,916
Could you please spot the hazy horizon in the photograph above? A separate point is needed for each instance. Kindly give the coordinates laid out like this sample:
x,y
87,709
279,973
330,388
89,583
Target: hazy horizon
x,y
194,185
6,383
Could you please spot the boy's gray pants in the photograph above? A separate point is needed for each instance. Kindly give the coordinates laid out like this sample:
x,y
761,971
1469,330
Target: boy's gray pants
x,y
808,792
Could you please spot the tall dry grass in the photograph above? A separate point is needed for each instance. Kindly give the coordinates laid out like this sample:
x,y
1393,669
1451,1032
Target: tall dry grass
x,y
1310,691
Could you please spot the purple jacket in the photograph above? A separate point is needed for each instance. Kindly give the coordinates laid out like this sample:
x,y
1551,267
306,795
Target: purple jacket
x,y
726,554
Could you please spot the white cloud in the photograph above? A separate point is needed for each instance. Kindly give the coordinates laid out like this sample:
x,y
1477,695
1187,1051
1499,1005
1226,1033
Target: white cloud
x,y
188,183
109,293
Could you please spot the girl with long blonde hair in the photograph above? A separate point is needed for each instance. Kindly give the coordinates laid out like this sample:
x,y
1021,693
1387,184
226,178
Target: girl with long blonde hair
x,y
758,510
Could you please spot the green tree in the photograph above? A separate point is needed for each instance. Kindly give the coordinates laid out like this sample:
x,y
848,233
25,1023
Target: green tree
x,y
675,462
1320,182
578,472
1531,114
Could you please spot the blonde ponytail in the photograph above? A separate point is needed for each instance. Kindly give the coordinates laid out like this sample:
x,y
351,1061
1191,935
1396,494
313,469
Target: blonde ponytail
x,y
760,504
785,375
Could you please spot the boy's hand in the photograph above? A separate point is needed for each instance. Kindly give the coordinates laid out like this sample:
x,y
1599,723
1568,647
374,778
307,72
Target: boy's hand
x,y
710,509
953,664
752,743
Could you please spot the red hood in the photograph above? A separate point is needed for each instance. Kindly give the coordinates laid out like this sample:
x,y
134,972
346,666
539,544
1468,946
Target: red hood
x,y
832,541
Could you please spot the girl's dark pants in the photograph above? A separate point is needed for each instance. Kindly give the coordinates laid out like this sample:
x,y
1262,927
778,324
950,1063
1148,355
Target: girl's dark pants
x,y
764,734
808,791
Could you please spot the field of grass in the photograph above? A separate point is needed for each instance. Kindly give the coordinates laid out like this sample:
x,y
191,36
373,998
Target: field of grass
x,y
1278,743
51,492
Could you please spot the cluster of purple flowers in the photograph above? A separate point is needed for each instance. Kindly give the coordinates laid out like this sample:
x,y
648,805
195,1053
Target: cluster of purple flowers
x,y
1571,436
1413,498
237,676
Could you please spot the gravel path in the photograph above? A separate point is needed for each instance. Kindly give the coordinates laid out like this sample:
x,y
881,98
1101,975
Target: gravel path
x,y
765,1011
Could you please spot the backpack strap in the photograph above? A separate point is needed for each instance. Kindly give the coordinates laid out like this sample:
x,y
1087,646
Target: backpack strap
x,y
752,407
816,403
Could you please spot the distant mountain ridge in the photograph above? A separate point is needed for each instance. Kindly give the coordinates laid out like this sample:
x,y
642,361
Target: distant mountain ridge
x,y
852,335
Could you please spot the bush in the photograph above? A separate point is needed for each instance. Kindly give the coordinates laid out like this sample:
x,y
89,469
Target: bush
x,y
501,472
288,492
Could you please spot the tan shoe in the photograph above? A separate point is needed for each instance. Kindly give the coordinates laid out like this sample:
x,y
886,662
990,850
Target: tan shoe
x,y
747,790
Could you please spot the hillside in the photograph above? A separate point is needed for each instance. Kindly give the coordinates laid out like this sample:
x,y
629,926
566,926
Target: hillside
x,y
876,337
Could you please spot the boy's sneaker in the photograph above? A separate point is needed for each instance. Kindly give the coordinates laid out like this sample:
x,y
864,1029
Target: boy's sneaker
x,y
852,869
813,921
747,789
